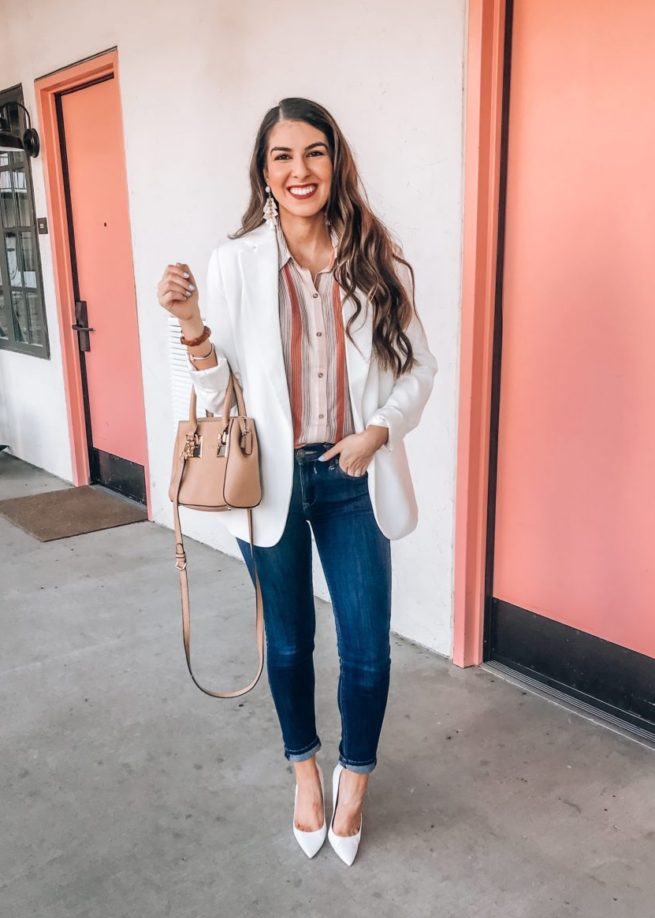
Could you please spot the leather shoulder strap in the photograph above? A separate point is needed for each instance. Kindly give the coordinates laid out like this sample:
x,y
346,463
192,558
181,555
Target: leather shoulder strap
x,y
181,564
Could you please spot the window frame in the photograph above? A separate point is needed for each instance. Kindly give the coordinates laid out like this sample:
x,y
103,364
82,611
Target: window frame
x,y
11,343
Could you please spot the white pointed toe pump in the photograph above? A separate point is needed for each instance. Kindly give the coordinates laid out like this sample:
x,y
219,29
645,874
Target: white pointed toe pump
x,y
345,845
310,842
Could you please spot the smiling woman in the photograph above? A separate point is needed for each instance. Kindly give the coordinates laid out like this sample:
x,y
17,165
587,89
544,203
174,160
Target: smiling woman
x,y
311,306
299,143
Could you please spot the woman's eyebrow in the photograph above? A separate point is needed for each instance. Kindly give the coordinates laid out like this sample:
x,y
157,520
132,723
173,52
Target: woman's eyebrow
x,y
317,143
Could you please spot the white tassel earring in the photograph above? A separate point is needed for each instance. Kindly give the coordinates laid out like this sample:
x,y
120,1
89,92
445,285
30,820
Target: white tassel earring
x,y
270,209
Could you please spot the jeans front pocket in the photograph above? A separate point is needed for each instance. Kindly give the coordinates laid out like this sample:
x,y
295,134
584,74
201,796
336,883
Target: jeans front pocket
x,y
334,464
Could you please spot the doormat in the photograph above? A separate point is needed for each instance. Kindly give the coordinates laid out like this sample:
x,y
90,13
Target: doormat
x,y
69,512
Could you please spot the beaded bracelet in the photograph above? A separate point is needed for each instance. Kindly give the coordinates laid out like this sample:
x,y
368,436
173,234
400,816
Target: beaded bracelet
x,y
191,342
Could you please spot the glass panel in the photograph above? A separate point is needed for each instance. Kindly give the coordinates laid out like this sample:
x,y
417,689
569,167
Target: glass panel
x,y
17,203
20,317
3,315
7,204
34,314
16,126
12,114
15,274
4,159
18,180
27,259
24,216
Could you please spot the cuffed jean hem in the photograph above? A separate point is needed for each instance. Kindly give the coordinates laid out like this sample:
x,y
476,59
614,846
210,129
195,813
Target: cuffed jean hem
x,y
307,754
360,769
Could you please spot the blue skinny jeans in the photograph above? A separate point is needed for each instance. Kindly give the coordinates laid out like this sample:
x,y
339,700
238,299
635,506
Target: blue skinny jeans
x,y
356,561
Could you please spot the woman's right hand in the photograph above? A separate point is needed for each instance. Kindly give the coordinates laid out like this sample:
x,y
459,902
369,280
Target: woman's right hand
x,y
177,292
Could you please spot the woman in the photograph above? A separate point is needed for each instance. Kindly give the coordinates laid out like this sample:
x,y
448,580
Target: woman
x,y
311,306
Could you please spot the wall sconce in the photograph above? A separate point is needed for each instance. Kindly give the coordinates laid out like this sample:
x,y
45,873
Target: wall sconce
x,y
10,143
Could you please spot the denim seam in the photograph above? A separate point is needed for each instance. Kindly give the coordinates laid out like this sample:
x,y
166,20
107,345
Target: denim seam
x,y
340,687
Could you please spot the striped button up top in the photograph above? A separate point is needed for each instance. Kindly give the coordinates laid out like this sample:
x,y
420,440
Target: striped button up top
x,y
313,344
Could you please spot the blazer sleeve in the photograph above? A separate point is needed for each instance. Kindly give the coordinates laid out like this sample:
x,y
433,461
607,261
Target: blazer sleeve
x,y
211,383
403,408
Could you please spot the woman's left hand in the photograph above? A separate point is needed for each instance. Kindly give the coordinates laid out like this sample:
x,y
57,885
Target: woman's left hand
x,y
357,450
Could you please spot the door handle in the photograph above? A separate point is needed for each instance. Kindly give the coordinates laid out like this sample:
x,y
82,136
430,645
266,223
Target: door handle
x,y
80,326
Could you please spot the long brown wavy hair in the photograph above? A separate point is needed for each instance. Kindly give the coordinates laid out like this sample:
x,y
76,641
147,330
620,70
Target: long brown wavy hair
x,y
367,255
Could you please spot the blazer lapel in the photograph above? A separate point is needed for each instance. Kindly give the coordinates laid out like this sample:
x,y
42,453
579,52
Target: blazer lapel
x,y
260,275
358,354
261,279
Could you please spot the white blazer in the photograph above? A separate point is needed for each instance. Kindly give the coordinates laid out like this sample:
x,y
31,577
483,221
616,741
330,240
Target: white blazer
x,y
242,311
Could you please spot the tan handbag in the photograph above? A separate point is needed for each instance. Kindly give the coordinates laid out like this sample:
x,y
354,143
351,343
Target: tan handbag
x,y
216,467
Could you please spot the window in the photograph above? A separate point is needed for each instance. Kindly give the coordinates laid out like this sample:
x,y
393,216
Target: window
x,y
22,314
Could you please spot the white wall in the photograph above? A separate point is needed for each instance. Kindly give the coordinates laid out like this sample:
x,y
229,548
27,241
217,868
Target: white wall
x,y
196,78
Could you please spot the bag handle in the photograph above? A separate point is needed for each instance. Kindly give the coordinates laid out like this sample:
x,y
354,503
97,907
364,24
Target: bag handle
x,y
181,563
233,388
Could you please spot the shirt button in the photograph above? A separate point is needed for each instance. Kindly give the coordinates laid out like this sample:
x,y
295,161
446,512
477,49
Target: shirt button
x,y
318,334
315,295
320,375
321,415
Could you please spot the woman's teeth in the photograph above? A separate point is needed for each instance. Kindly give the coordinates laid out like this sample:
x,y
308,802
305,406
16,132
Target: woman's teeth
x,y
302,191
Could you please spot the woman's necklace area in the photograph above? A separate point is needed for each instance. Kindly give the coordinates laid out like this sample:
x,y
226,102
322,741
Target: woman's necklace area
x,y
320,264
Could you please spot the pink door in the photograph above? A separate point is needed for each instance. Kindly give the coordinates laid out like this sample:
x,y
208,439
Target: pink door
x,y
94,165
574,534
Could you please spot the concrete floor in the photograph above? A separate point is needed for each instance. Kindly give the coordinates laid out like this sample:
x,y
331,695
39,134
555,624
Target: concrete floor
x,y
127,792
